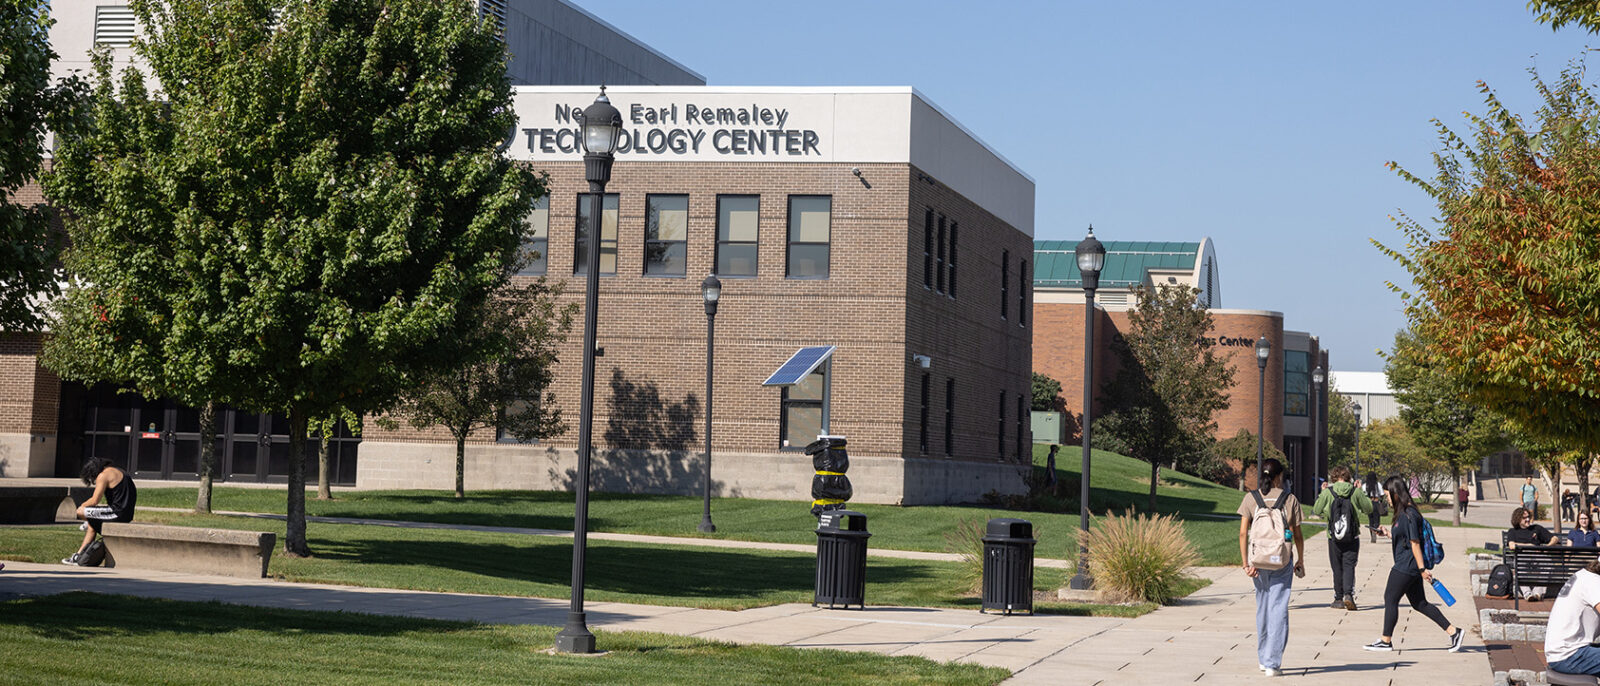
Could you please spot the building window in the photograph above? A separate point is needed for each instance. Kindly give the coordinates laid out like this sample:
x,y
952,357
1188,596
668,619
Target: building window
x,y
738,219
114,27
494,12
810,219
950,264
608,235
1296,383
927,249
1022,426
922,421
536,242
1022,293
1005,282
666,234
950,417
516,407
938,259
805,409
1002,431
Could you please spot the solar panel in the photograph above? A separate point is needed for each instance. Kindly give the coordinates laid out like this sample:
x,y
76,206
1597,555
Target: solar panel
x,y
803,362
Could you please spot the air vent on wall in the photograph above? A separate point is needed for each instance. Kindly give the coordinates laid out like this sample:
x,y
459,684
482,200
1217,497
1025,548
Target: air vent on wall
x,y
1113,298
114,26
495,12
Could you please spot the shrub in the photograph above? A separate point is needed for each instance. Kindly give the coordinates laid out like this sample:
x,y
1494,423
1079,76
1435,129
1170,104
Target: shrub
x,y
1138,558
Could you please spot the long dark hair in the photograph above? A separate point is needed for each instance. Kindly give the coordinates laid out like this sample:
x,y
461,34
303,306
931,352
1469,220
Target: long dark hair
x,y
1400,495
1271,472
92,468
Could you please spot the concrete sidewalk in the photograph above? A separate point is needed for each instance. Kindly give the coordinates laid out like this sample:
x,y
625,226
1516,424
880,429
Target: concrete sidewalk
x,y
1206,638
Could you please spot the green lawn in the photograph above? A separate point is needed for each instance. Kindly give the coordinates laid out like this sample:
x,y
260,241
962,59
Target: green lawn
x,y
80,638
1117,483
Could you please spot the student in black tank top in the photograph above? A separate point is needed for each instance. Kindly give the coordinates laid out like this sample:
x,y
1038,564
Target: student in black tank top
x,y
115,497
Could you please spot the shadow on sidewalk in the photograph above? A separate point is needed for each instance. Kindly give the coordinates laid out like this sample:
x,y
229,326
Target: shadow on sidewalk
x,y
1358,667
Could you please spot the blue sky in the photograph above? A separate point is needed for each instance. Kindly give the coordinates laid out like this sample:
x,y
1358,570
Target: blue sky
x,y
1265,126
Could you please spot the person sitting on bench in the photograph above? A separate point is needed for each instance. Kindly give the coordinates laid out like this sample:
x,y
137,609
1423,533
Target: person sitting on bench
x,y
113,501
1524,532
1575,624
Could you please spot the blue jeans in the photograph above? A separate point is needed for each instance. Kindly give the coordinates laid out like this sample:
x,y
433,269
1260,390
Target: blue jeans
x,y
1272,614
1585,661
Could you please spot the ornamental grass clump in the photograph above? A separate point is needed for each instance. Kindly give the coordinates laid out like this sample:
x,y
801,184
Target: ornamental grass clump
x,y
1138,558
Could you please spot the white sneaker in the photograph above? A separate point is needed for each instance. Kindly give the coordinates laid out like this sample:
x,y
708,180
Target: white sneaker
x,y
72,560
1273,672
83,527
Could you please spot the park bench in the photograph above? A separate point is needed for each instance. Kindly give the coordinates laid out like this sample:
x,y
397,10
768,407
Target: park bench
x,y
1545,565
225,552
40,504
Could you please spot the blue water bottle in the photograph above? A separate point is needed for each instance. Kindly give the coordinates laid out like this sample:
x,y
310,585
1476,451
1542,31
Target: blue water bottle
x,y
1444,595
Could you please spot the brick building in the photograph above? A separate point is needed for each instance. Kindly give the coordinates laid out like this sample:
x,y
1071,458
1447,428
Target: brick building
x,y
1284,388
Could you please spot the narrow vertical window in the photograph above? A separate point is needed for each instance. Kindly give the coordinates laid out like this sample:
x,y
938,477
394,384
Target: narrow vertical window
x,y
927,249
922,422
666,234
1005,282
738,222
1002,430
804,413
1022,293
810,219
1022,427
608,235
950,417
536,240
938,258
951,263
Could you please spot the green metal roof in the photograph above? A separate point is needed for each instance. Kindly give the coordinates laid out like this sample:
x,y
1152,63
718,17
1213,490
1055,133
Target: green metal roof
x,y
1056,264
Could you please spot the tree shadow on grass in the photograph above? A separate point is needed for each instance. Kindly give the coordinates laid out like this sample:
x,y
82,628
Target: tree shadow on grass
x,y
621,570
83,616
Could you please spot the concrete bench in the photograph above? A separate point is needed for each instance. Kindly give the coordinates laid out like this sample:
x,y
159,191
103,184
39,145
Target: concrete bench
x,y
40,504
224,552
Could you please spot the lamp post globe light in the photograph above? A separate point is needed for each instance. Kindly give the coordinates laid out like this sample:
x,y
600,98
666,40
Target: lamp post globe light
x,y
1357,408
711,292
1263,351
1091,256
1317,377
602,128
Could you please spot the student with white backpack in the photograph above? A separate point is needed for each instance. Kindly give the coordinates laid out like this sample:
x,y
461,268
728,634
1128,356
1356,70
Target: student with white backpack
x,y
1269,521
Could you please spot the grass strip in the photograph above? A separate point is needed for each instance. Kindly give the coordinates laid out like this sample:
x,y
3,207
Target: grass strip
x,y
79,638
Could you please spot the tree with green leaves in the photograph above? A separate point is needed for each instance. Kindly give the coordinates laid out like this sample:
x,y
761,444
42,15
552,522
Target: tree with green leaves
x,y
1506,289
1388,448
1343,427
1235,456
309,219
1446,427
1161,403
1047,394
1559,13
29,248
521,327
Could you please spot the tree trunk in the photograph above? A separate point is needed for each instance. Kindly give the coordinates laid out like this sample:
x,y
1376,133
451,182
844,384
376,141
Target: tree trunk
x,y
1554,482
294,540
1455,471
461,463
1155,476
1583,466
208,456
323,491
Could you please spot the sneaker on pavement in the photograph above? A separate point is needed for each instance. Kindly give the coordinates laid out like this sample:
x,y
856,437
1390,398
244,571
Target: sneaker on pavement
x,y
1456,639
74,560
83,527
1379,645
1337,604
1274,672
1350,603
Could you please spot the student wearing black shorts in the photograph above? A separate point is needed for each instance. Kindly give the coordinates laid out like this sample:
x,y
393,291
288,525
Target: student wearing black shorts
x,y
114,499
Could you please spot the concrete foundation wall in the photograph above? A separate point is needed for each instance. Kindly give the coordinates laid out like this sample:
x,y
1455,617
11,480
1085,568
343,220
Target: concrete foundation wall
x,y
775,476
27,455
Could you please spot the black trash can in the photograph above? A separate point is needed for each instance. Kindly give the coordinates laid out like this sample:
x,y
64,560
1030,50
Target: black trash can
x,y
1008,566
841,559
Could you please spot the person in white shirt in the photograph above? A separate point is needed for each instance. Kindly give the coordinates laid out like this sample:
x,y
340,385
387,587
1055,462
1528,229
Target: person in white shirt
x,y
1575,624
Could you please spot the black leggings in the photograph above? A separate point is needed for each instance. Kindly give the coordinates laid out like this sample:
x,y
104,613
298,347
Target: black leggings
x,y
1410,586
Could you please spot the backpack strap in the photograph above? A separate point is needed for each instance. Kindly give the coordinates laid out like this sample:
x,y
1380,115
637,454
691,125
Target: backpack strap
x,y
1260,504
1277,504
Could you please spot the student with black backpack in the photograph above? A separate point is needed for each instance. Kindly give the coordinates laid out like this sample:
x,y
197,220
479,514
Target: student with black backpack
x,y
1411,568
1343,505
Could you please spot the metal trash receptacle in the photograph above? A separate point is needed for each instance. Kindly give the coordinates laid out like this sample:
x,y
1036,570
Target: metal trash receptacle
x,y
841,559
1008,566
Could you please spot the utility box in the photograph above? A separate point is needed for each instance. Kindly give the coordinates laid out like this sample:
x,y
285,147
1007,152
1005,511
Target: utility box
x,y
1049,427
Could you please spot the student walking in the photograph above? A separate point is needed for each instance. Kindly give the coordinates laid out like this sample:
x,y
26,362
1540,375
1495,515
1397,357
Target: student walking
x,y
1269,520
1379,504
1344,506
1530,495
1408,575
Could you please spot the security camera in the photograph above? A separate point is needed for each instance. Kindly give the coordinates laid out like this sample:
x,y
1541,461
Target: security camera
x,y
856,171
922,361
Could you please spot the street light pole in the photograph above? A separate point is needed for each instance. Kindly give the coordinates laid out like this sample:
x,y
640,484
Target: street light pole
x,y
711,292
1317,377
602,128
1263,351
1091,256
1357,407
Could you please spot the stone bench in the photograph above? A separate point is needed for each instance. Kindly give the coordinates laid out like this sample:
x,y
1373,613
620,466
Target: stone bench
x,y
225,552
40,504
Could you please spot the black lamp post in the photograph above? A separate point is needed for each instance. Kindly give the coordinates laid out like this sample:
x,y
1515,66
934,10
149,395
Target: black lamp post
x,y
1091,259
1316,422
1263,351
602,128
711,290
1357,408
